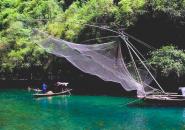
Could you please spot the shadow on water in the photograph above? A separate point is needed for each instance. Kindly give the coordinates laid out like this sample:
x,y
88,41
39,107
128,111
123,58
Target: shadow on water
x,y
142,104
56,102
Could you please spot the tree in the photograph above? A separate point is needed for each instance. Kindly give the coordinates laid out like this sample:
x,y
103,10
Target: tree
x,y
168,59
17,50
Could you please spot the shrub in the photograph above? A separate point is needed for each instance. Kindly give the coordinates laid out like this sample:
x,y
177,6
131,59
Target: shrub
x,y
168,59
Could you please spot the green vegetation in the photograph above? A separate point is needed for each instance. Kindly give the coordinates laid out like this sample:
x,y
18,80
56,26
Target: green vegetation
x,y
169,59
18,53
67,18
72,21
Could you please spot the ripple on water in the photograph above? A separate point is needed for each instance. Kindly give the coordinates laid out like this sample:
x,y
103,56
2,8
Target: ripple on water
x,y
20,111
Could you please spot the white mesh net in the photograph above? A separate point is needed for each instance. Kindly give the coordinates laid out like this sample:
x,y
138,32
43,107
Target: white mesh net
x,y
103,60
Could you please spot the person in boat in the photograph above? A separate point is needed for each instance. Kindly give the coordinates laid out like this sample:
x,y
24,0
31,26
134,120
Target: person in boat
x,y
181,91
44,88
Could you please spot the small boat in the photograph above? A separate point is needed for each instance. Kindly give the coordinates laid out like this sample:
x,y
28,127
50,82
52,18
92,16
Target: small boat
x,y
165,100
50,93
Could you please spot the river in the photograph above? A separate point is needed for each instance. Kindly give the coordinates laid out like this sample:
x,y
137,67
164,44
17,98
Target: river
x,y
20,111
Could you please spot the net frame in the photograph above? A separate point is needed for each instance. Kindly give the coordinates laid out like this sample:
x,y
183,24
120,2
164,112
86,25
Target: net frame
x,y
95,60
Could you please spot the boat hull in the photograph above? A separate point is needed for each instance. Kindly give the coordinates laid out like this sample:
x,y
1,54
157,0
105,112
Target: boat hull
x,y
67,92
165,102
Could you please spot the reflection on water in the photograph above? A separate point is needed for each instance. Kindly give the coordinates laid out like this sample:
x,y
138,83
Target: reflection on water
x,y
183,114
58,101
83,112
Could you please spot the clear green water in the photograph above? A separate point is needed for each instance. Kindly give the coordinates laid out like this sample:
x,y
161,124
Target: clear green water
x,y
19,111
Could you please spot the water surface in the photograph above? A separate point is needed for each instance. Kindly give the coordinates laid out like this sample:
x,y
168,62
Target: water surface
x,y
20,111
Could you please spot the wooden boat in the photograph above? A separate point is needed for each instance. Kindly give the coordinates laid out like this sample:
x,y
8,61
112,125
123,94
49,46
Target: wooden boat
x,y
49,94
165,100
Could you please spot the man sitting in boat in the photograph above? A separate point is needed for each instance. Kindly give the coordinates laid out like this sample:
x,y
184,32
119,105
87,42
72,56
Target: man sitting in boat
x,y
58,89
44,88
181,91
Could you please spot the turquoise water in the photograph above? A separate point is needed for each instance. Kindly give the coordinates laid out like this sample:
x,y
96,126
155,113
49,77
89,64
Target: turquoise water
x,y
19,111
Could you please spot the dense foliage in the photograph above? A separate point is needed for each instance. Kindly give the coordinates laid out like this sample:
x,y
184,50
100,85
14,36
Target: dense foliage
x,y
169,59
18,53
67,18
72,21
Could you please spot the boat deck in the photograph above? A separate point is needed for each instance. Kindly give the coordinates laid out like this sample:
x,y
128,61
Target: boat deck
x,y
166,99
37,95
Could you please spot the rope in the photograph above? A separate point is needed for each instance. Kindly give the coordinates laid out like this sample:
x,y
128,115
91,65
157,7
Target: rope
x,y
139,53
132,102
99,38
144,65
135,66
139,41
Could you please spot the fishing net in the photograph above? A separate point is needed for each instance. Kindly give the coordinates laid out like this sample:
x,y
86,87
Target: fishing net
x,y
103,60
